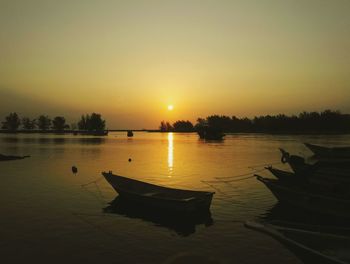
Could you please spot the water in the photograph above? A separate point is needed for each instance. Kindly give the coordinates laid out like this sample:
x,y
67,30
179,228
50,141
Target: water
x,y
50,215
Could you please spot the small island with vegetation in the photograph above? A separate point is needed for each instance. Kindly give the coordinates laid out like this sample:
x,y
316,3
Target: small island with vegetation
x,y
325,122
89,124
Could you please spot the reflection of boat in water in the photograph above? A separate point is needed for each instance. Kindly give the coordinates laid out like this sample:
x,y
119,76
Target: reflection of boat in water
x,y
329,152
130,133
8,158
308,198
158,196
311,246
182,224
210,133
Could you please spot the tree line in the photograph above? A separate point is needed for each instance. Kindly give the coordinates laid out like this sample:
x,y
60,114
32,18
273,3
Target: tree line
x,y
88,122
327,121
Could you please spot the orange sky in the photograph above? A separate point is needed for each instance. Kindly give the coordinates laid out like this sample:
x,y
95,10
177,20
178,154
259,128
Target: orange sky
x,y
129,60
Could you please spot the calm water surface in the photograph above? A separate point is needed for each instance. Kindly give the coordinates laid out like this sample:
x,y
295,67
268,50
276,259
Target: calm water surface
x,y
50,215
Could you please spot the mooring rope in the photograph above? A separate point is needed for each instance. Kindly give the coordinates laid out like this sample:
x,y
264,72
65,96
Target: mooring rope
x,y
100,197
95,181
240,175
264,164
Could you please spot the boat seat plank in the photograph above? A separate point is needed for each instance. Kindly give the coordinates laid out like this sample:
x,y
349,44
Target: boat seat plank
x,y
150,194
189,199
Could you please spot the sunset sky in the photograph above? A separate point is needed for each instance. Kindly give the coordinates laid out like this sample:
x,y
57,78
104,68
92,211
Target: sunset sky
x,y
130,60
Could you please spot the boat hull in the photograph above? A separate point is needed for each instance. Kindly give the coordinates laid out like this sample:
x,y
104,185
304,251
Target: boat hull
x,y
325,152
307,199
158,197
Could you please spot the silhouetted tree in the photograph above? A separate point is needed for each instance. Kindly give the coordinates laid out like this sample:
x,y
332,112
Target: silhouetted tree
x,y
74,126
165,127
162,126
183,126
306,122
12,122
28,123
84,121
96,122
59,123
44,122
92,122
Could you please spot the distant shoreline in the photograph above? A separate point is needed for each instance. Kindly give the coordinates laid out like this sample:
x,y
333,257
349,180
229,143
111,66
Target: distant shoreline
x,y
67,131
83,132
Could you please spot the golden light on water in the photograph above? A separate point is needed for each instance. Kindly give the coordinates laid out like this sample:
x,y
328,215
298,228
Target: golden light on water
x,y
170,152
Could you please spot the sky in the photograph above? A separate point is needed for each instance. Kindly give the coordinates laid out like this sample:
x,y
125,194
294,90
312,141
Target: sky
x,y
129,60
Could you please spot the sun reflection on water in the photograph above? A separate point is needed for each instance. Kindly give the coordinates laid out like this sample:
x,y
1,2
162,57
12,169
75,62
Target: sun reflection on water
x,y
170,153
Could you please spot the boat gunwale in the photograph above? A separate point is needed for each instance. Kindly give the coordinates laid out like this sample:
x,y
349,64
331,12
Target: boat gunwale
x,y
327,149
275,183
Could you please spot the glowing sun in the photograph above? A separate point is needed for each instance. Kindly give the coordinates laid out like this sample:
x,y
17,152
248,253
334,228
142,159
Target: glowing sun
x,y
170,107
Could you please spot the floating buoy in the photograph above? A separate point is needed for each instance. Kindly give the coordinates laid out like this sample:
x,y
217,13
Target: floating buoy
x,y
129,159
74,169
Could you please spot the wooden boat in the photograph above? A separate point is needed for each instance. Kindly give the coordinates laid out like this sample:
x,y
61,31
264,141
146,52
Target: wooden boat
x,y
300,167
329,152
130,133
329,182
286,176
281,174
318,247
158,196
8,158
308,198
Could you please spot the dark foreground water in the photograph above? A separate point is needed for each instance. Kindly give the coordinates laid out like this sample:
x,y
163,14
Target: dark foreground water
x,y
49,215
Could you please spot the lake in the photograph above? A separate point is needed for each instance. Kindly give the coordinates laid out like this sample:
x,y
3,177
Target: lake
x,y
50,215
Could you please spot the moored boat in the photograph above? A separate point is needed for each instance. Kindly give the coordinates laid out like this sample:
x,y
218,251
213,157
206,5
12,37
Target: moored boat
x,y
329,152
318,247
130,133
335,167
288,177
308,198
327,181
281,174
160,197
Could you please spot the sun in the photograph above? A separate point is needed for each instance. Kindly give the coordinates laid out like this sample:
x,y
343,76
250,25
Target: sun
x,y
170,107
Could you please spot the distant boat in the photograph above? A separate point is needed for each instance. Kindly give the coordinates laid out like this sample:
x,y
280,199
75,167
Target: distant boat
x,y
308,198
327,152
318,247
8,158
210,133
160,197
130,133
